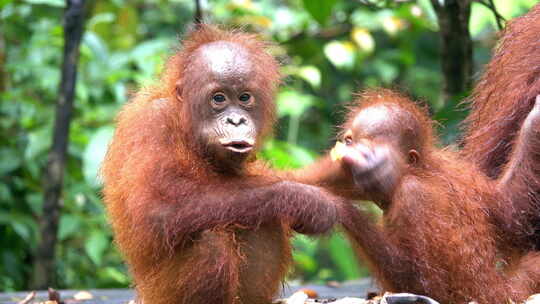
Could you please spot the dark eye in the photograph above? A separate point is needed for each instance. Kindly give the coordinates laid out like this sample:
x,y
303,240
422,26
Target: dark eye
x,y
348,140
218,98
244,97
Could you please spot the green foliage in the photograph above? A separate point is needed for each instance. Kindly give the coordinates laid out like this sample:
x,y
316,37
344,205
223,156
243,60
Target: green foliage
x,y
320,10
330,48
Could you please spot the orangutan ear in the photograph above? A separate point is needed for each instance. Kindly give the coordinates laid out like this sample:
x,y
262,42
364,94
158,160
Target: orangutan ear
x,y
413,157
179,89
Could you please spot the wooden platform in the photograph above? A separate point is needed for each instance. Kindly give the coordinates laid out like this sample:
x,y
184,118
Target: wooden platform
x,y
122,296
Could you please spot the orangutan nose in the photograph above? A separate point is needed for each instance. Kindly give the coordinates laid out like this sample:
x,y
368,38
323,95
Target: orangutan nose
x,y
236,119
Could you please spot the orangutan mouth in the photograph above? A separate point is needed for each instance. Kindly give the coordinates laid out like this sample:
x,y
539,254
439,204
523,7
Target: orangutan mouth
x,y
238,146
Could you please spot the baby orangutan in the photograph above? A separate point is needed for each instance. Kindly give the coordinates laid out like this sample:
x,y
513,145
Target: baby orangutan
x,y
197,217
439,235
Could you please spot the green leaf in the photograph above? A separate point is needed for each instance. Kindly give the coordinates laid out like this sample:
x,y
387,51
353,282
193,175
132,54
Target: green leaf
x,y
4,3
22,230
114,275
95,246
35,202
119,90
24,225
320,10
94,153
305,244
10,160
364,19
148,57
293,103
304,261
4,219
57,3
386,70
69,224
426,7
343,256
340,53
151,48
97,46
38,142
275,152
304,252
311,74
5,193
301,155
106,17
283,155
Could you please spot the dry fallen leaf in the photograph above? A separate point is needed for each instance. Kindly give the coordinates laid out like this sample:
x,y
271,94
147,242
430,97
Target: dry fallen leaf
x,y
28,298
298,297
312,294
83,295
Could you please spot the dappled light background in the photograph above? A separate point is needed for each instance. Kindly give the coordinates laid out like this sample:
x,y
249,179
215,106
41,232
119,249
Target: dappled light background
x,y
328,49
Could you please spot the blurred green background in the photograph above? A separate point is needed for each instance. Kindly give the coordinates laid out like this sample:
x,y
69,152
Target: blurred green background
x,y
328,48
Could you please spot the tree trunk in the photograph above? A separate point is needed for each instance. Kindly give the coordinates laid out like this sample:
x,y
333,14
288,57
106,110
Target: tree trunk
x,y
3,60
44,262
198,18
456,47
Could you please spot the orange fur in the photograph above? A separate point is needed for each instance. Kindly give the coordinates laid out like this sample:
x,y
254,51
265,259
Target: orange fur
x,y
191,234
505,94
439,236
500,104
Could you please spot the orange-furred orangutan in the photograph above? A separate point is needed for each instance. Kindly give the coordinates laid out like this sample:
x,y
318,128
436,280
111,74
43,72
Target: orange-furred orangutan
x,y
197,217
500,103
439,236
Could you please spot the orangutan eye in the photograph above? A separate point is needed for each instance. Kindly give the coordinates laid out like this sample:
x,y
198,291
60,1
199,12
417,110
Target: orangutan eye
x,y
348,140
219,98
244,97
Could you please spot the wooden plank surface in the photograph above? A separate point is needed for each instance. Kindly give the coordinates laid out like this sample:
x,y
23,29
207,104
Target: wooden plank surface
x,y
122,296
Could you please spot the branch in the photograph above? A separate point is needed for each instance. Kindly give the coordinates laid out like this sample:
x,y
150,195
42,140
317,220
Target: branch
x,y
369,4
455,47
436,5
3,61
498,17
198,18
325,34
44,268
377,5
